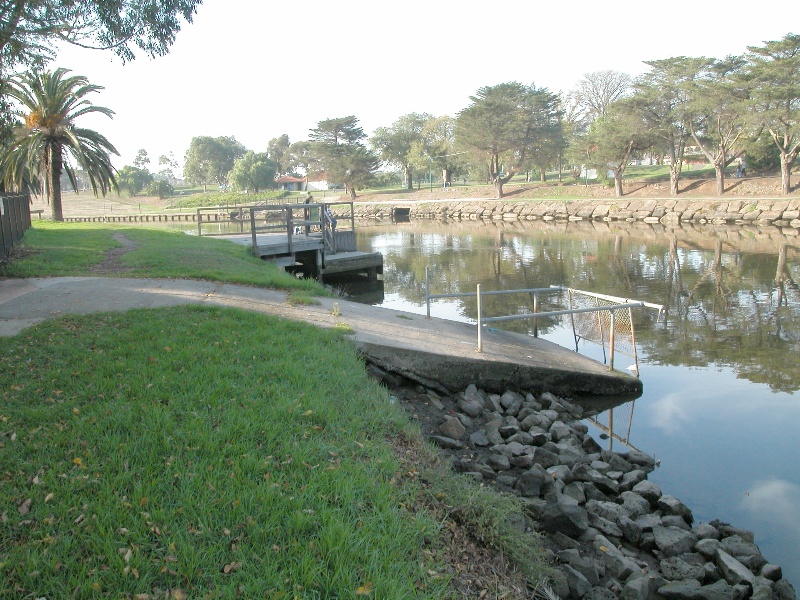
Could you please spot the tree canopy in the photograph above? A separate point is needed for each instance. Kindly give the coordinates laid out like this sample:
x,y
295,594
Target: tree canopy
x,y
29,28
253,172
210,160
338,145
505,123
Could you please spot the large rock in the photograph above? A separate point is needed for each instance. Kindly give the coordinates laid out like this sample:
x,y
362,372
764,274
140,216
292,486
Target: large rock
x,y
565,517
670,505
452,428
649,491
531,483
732,570
673,541
676,569
620,565
579,586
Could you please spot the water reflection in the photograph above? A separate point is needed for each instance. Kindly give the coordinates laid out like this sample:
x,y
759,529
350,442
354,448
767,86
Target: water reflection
x,y
719,372
732,297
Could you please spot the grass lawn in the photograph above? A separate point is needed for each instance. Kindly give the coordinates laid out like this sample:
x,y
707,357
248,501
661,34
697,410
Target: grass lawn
x,y
198,452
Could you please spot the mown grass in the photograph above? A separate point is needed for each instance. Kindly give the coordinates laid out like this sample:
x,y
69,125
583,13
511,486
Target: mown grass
x,y
202,450
213,453
197,200
73,249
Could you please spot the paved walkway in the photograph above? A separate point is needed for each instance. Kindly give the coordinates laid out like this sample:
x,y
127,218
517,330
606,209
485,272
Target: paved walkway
x,y
435,352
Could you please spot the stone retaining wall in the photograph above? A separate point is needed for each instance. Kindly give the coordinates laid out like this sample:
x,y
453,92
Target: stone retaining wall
x,y
667,211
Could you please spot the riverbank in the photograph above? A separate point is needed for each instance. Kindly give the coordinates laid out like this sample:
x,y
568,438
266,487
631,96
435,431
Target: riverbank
x,y
608,530
781,213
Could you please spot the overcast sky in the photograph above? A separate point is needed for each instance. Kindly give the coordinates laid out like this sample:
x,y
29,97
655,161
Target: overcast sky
x,y
255,70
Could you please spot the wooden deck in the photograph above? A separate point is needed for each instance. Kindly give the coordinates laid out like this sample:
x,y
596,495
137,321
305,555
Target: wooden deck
x,y
307,245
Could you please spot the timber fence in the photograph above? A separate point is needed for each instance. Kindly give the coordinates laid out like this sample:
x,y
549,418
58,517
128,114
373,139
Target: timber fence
x,y
15,219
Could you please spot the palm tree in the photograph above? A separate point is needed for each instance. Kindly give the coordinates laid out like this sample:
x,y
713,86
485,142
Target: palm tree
x,y
44,144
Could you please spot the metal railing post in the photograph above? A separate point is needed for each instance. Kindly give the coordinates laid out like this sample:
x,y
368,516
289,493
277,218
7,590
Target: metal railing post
x,y
480,320
428,292
611,341
535,310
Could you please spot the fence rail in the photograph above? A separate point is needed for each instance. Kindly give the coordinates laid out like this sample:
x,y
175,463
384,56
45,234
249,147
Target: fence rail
x,y
597,323
15,220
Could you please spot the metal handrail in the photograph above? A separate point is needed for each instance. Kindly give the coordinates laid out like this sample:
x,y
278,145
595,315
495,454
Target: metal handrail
x,y
621,304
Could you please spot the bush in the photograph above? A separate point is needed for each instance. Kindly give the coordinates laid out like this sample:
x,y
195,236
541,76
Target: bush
x,y
160,188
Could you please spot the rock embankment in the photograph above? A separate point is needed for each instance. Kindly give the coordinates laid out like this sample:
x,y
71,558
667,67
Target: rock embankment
x,y
668,211
607,529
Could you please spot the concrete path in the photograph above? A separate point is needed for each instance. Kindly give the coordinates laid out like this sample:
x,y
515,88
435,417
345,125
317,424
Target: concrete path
x,y
435,352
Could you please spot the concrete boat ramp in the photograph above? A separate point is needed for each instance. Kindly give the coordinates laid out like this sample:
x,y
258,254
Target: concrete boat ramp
x,y
435,352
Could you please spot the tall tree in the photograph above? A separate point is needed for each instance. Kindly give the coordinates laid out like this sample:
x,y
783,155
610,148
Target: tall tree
x,y
142,160
662,96
47,140
395,144
168,165
597,91
339,146
254,172
211,159
504,123
775,71
278,151
29,28
720,112
614,137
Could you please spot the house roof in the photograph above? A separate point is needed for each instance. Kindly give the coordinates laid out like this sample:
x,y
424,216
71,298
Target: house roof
x,y
289,179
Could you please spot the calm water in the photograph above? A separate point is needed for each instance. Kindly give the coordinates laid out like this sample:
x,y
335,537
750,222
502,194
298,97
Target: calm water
x,y
720,372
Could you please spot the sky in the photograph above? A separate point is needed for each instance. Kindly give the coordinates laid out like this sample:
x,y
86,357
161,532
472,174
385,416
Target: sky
x,y
256,70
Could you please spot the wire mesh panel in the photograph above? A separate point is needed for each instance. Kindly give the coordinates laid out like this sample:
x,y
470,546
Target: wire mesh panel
x,y
596,326
615,423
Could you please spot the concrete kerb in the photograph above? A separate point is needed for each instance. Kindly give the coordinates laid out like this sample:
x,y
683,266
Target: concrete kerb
x,y
435,352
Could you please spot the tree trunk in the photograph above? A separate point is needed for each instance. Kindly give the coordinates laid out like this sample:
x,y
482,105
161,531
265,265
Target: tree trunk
x,y
786,173
543,176
54,175
498,187
674,178
720,170
409,178
351,191
618,183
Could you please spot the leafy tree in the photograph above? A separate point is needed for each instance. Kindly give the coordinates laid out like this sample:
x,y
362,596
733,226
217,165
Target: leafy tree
x,y
775,71
133,179
436,150
504,124
614,137
396,143
29,28
301,159
211,159
254,172
160,188
719,113
662,95
278,152
142,160
338,145
49,137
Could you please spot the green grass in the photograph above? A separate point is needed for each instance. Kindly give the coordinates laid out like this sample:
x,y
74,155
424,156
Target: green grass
x,y
213,453
191,448
197,200
71,249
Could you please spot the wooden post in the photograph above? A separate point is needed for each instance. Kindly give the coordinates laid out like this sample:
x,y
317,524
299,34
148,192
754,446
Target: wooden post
x,y
480,321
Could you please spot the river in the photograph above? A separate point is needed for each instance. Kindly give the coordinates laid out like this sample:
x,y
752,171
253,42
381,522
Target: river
x,y
719,410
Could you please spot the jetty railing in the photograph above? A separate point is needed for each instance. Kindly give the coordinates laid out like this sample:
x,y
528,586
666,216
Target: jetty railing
x,y
599,323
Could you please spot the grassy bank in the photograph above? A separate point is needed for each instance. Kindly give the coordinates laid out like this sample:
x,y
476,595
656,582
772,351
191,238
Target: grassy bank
x,y
214,453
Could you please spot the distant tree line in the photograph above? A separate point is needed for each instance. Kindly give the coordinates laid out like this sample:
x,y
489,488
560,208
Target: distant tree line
x,y
740,108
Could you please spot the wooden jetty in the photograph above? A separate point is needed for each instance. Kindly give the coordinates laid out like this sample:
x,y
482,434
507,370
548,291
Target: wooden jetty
x,y
315,239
